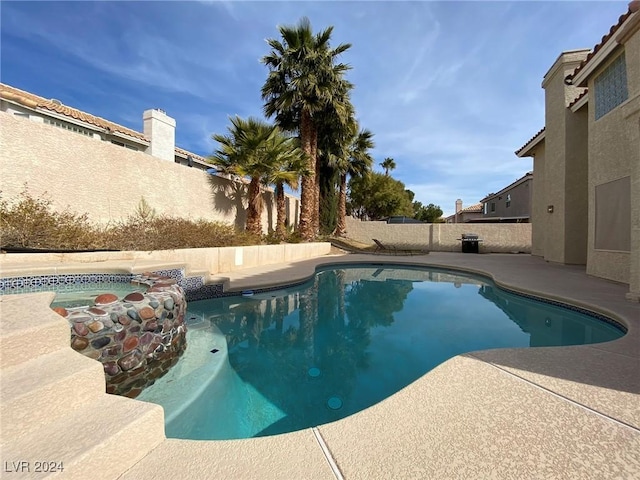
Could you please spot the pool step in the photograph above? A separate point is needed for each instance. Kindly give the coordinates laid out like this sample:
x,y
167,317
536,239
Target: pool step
x,y
24,338
53,405
101,440
47,387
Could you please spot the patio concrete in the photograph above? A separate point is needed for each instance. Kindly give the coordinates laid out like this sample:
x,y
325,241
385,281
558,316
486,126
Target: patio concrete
x,y
554,412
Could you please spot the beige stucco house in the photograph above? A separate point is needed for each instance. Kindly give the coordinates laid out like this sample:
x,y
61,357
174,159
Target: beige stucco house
x,y
586,201
465,215
88,164
512,204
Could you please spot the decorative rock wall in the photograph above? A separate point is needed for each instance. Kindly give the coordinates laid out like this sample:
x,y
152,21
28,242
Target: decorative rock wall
x,y
137,338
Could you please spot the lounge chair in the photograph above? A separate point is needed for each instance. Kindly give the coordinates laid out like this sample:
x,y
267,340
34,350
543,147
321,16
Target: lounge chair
x,y
392,249
382,248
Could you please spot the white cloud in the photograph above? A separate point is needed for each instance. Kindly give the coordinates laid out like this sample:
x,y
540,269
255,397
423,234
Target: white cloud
x,y
450,89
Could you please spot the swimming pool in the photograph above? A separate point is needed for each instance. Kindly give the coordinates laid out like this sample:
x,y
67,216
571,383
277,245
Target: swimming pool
x,y
85,294
74,290
284,360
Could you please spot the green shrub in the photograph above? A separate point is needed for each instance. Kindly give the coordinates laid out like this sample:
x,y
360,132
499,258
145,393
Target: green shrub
x,y
290,236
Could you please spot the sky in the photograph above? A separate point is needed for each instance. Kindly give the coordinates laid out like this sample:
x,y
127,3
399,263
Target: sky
x,y
449,89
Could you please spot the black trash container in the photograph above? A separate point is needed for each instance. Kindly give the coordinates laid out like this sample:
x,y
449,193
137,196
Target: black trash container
x,y
470,243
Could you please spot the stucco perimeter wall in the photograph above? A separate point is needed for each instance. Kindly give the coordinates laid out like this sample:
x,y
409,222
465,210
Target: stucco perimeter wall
x,y
107,182
208,262
443,237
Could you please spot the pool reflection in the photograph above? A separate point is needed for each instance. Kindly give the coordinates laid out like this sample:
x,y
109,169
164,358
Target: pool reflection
x,y
352,337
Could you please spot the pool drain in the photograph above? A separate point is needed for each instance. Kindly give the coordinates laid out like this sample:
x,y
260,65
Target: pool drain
x,y
334,403
314,372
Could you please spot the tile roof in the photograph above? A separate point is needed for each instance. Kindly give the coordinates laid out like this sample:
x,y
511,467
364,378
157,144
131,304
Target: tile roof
x,y
633,7
579,97
34,101
30,100
181,151
525,177
477,208
530,140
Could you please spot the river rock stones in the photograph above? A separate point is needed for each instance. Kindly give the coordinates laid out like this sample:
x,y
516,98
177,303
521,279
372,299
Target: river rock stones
x,y
106,299
137,339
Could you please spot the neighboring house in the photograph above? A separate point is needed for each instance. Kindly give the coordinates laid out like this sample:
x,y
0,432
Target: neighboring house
x,y
98,167
512,204
465,215
586,204
158,138
401,219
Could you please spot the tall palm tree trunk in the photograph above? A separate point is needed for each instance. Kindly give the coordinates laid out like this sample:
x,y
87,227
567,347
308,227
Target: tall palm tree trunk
x,y
307,195
254,209
309,319
281,311
316,185
342,300
342,207
281,228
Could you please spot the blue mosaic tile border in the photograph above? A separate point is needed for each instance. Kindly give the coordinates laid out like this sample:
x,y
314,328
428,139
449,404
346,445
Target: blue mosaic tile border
x,y
192,283
38,283
271,289
195,289
177,273
204,292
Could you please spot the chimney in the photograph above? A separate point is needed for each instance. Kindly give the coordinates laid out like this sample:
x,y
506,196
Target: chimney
x,y
160,129
458,208
565,163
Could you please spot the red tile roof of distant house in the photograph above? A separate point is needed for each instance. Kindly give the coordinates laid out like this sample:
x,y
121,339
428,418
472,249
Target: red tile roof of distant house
x,y
30,100
477,208
34,101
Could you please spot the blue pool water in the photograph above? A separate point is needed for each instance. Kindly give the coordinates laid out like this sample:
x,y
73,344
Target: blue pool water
x,y
85,294
285,360
70,295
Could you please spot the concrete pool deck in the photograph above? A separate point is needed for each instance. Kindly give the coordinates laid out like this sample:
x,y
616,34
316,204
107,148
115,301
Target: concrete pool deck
x,y
571,412
565,412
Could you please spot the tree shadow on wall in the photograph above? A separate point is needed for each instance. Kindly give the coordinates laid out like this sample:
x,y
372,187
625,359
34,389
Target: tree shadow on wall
x,y
229,198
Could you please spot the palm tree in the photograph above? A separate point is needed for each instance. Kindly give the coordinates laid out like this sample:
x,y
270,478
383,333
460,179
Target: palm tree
x,y
256,149
302,81
358,163
290,163
335,135
388,164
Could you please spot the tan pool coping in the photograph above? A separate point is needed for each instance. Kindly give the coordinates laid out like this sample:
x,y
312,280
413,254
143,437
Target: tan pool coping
x,y
570,412
554,412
